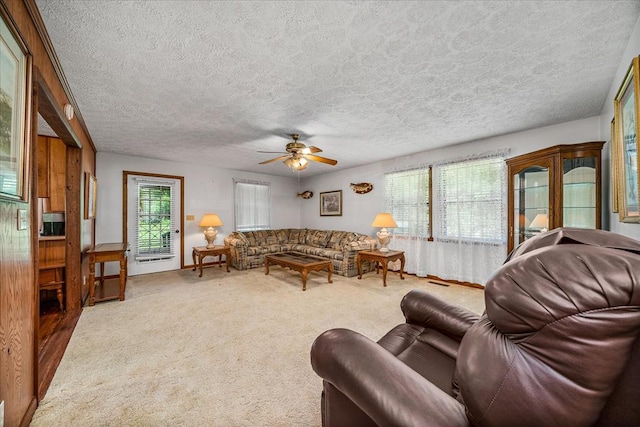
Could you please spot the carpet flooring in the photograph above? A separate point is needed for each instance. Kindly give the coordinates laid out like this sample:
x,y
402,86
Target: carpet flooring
x,y
227,349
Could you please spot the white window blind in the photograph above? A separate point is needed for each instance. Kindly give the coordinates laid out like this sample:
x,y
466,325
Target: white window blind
x,y
471,200
407,199
252,205
155,221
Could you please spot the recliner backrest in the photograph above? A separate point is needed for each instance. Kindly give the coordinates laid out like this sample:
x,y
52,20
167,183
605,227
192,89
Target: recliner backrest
x,y
553,347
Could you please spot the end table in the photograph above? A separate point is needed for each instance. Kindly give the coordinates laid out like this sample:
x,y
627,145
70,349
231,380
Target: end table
x,y
380,258
202,251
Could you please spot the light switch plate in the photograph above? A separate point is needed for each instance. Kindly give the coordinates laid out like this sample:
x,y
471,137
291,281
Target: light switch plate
x,y
191,217
23,223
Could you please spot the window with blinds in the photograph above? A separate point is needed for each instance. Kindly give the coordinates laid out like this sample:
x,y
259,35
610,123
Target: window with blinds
x,y
407,199
155,220
252,205
471,200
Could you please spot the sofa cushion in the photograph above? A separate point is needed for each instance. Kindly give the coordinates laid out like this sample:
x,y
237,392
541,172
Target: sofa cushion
x,y
252,237
317,238
349,238
283,235
335,241
271,237
240,235
298,235
261,250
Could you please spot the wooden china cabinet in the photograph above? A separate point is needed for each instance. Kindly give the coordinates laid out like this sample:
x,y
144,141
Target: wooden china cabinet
x,y
554,187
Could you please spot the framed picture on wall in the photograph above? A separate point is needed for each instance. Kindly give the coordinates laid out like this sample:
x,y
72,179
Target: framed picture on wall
x,y
627,124
331,203
615,174
15,89
90,196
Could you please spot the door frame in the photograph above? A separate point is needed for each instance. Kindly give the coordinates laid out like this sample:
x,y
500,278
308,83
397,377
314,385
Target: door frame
x,y
125,207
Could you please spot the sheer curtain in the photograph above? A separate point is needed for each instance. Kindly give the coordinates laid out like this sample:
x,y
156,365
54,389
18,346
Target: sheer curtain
x,y
466,202
470,218
407,199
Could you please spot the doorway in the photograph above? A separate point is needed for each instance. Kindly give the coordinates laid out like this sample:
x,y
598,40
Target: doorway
x,y
153,218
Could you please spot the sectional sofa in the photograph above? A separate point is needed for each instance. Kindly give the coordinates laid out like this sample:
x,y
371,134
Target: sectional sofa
x,y
248,248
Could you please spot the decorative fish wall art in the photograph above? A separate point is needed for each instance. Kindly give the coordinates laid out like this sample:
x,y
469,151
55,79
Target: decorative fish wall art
x,y
306,194
362,187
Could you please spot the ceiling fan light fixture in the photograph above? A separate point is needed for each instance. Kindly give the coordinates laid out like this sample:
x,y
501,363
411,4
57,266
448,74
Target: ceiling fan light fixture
x,y
298,156
296,163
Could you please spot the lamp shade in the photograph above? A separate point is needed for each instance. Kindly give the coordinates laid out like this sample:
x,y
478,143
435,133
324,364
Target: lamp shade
x,y
210,220
540,221
384,220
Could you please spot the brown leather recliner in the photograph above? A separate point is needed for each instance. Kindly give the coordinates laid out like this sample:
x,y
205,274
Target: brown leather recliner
x,y
558,345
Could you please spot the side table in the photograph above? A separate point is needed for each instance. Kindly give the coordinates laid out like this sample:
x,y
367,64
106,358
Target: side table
x,y
202,251
105,252
380,258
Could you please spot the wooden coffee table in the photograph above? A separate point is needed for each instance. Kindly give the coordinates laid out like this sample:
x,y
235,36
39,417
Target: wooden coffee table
x,y
299,262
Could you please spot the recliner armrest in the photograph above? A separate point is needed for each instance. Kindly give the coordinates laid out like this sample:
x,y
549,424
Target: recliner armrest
x,y
387,390
425,309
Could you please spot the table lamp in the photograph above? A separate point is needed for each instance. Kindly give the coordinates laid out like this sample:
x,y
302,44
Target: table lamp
x,y
384,220
210,221
540,221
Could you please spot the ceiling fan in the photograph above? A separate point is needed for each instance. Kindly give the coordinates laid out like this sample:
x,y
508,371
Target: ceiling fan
x,y
297,155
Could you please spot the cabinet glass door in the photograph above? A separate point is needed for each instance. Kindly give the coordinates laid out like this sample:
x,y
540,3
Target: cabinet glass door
x,y
531,203
579,192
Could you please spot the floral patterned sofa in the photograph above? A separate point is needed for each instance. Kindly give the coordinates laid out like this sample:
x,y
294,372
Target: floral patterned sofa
x,y
248,248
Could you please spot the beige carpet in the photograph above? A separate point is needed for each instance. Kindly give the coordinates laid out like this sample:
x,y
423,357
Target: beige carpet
x,y
227,349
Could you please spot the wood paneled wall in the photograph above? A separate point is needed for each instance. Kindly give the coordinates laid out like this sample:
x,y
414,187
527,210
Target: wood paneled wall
x,y
19,248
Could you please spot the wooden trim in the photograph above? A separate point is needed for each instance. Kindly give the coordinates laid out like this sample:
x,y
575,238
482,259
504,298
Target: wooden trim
x,y
35,246
28,416
430,239
125,192
73,271
441,281
38,23
54,116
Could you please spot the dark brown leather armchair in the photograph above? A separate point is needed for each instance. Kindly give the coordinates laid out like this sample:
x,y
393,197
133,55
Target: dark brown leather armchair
x,y
557,346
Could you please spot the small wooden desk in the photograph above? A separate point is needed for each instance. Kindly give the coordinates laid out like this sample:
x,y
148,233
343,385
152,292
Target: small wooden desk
x,y
203,251
105,252
380,258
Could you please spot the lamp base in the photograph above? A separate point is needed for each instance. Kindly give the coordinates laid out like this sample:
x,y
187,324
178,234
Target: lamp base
x,y
384,237
210,236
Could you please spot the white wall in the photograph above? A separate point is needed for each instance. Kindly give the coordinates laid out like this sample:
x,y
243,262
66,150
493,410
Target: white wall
x,y
359,210
206,189
210,189
632,50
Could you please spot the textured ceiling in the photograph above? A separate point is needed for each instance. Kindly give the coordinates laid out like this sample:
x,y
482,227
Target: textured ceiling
x,y
214,82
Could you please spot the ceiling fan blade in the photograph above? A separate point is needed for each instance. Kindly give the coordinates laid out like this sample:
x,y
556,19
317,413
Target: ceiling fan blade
x,y
321,159
274,160
272,152
313,149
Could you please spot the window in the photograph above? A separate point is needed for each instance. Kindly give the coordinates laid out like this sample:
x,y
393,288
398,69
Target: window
x,y
471,201
407,199
155,221
252,205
